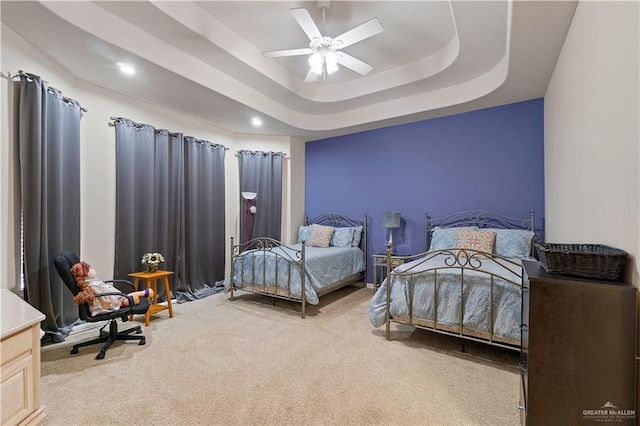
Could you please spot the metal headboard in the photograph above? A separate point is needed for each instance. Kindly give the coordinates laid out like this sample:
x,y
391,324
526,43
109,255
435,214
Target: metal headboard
x,y
481,219
340,220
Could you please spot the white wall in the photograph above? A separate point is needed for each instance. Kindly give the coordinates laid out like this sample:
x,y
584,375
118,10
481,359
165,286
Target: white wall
x,y
592,134
98,157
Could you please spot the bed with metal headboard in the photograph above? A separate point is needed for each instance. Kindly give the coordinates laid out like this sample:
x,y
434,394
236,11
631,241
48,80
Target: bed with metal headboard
x,y
330,253
468,281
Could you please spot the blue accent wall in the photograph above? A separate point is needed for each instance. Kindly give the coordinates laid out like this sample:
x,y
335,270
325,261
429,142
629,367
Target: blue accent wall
x,y
490,159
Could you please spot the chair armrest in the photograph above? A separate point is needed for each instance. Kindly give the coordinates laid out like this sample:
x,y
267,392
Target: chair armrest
x,y
111,293
124,286
123,312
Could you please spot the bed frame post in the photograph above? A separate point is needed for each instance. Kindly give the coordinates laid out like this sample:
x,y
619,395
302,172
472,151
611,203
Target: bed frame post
x,y
364,246
303,284
231,274
427,230
533,221
532,228
388,302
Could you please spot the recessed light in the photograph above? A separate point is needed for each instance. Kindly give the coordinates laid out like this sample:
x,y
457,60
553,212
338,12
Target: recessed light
x,y
125,68
256,121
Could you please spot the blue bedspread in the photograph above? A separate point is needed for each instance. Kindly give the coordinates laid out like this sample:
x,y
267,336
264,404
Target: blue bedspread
x,y
324,267
476,295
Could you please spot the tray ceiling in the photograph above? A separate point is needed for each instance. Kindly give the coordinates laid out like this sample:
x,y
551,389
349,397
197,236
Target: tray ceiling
x,y
203,58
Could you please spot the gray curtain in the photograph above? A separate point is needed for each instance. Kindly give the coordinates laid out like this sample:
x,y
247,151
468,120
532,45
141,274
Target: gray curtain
x,y
162,207
261,172
203,248
49,144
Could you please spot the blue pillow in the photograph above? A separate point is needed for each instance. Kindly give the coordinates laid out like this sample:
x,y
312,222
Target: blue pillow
x,y
304,232
446,238
342,237
514,243
357,235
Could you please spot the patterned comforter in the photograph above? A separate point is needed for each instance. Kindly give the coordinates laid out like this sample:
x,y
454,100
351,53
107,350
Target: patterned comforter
x,y
273,271
440,305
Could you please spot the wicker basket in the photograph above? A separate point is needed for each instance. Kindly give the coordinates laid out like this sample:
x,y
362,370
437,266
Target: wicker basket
x,y
584,260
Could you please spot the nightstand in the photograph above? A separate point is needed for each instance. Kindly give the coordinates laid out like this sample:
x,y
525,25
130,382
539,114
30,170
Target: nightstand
x,y
380,264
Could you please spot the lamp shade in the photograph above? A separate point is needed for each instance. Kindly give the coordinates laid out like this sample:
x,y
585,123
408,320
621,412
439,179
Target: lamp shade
x,y
391,219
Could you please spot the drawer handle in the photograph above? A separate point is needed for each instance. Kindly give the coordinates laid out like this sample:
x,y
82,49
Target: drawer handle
x,y
525,288
524,327
520,406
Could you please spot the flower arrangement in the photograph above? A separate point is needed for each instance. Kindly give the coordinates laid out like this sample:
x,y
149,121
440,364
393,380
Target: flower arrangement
x,y
152,260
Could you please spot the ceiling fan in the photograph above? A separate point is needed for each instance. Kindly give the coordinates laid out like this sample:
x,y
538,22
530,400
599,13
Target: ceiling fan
x,y
325,52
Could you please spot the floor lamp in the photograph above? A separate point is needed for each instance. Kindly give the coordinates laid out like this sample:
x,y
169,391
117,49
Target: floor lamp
x,y
251,210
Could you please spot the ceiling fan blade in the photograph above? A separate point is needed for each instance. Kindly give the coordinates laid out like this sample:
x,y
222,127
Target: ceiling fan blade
x,y
309,27
354,64
311,77
292,52
354,35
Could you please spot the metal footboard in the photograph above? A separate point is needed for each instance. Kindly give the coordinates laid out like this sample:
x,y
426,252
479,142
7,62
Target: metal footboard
x,y
460,261
247,256
259,250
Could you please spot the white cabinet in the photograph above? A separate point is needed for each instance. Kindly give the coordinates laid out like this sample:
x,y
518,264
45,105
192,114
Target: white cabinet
x,y
20,362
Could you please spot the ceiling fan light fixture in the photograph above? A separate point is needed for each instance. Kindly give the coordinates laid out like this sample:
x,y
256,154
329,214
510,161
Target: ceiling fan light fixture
x,y
331,61
126,68
315,62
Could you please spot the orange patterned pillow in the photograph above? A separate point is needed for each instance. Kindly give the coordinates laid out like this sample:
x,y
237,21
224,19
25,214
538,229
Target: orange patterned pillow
x,y
476,240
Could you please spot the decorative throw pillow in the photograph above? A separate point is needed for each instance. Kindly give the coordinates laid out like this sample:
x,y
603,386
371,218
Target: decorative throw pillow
x,y
342,237
320,235
446,238
304,232
476,240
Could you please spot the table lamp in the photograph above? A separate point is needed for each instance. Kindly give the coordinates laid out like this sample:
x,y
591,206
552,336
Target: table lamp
x,y
391,220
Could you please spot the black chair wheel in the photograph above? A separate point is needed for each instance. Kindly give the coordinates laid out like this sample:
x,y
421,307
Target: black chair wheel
x,y
74,350
142,342
100,355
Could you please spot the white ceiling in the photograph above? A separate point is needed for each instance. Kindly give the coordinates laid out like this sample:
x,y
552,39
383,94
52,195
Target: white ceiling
x,y
203,58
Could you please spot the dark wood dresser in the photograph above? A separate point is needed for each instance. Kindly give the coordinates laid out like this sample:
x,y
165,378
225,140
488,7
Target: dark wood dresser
x,y
578,350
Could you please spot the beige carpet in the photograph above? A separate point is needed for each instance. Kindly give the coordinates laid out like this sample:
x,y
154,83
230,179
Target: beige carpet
x,y
245,362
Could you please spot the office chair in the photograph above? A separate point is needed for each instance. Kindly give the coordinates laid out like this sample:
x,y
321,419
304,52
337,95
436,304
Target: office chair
x,y
63,263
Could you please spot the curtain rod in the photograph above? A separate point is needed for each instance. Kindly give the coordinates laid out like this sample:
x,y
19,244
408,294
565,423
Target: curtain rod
x,y
113,124
284,154
24,74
